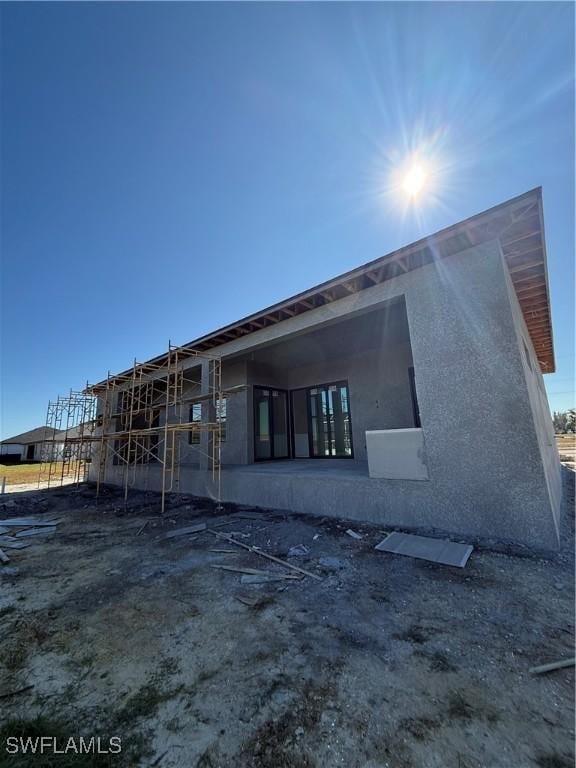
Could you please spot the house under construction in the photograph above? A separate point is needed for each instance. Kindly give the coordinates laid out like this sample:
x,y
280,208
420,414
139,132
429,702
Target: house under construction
x,y
408,392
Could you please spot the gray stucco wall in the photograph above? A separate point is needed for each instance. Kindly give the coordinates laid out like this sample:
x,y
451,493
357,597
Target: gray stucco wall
x,y
483,423
544,429
486,472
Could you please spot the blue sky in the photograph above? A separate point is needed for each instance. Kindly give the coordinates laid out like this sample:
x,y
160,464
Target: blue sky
x,y
152,150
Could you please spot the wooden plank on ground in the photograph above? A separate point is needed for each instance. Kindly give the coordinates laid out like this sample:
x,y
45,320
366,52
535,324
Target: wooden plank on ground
x,y
255,572
258,551
185,531
11,542
28,522
255,578
36,532
4,557
552,666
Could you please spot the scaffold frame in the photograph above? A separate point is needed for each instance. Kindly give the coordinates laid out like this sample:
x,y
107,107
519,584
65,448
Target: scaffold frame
x,y
66,453
138,420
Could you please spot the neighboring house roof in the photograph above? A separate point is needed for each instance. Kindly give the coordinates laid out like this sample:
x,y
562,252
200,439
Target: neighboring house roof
x,y
81,430
38,435
517,224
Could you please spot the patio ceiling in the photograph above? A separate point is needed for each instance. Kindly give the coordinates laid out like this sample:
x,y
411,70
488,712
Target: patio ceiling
x,y
348,336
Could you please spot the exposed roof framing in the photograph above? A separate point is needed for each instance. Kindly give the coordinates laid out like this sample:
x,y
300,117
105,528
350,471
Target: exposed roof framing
x,y
518,225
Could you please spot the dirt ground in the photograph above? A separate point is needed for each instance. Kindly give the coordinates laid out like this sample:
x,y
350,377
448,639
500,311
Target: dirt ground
x,y
112,629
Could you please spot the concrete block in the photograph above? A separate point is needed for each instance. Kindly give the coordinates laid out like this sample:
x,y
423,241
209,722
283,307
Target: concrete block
x,y
396,454
425,548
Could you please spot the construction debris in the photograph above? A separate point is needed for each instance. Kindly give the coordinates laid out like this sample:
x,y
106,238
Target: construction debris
x,y
424,548
10,694
256,572
552,666
25,522
235,569
250,600
264,578
353,534
11,542
186,531
13,530
45,531
264,554
139,531
224,551
332,563
299,550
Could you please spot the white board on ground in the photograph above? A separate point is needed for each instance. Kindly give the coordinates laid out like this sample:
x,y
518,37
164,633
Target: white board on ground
x,y
25,522
425,548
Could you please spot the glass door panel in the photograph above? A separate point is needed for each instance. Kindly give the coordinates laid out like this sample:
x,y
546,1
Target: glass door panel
x,y
319,421
279,405
341,442
270,424
300,424
262,442
330,428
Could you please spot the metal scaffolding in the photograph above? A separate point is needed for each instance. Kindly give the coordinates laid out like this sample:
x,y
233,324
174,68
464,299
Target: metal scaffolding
x,y
138,420
67,449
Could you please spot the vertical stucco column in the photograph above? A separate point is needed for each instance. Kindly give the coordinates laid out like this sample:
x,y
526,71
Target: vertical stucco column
x,y
486,471
208,414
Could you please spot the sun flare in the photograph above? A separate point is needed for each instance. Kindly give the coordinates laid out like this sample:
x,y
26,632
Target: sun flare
x,y
415,179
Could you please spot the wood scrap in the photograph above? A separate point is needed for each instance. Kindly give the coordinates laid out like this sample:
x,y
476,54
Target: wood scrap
x,y
36,532
16,693
552,666
4,557
250,600
254,572
185,531
13,543
235,569
225,551
3,530
258,551
255,578
139,531
26,522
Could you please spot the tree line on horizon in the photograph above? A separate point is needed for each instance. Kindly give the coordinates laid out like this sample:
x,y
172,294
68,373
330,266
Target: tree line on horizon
x,y
564,421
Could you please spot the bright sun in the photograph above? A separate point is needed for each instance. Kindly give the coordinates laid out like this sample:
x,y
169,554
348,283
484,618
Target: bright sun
x,y
415,180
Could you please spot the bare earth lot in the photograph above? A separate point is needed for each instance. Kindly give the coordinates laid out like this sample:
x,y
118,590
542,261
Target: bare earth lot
x,y
387,661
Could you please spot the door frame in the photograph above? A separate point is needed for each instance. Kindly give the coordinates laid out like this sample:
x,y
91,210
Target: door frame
x,y
271,423
324,385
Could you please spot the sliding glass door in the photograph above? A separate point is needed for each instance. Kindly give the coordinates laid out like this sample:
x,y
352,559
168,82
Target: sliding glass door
x,y
270,424
330,427
321,426
320,422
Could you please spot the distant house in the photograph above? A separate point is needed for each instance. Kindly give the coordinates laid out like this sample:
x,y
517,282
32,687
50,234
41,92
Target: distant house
x,y
30,446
